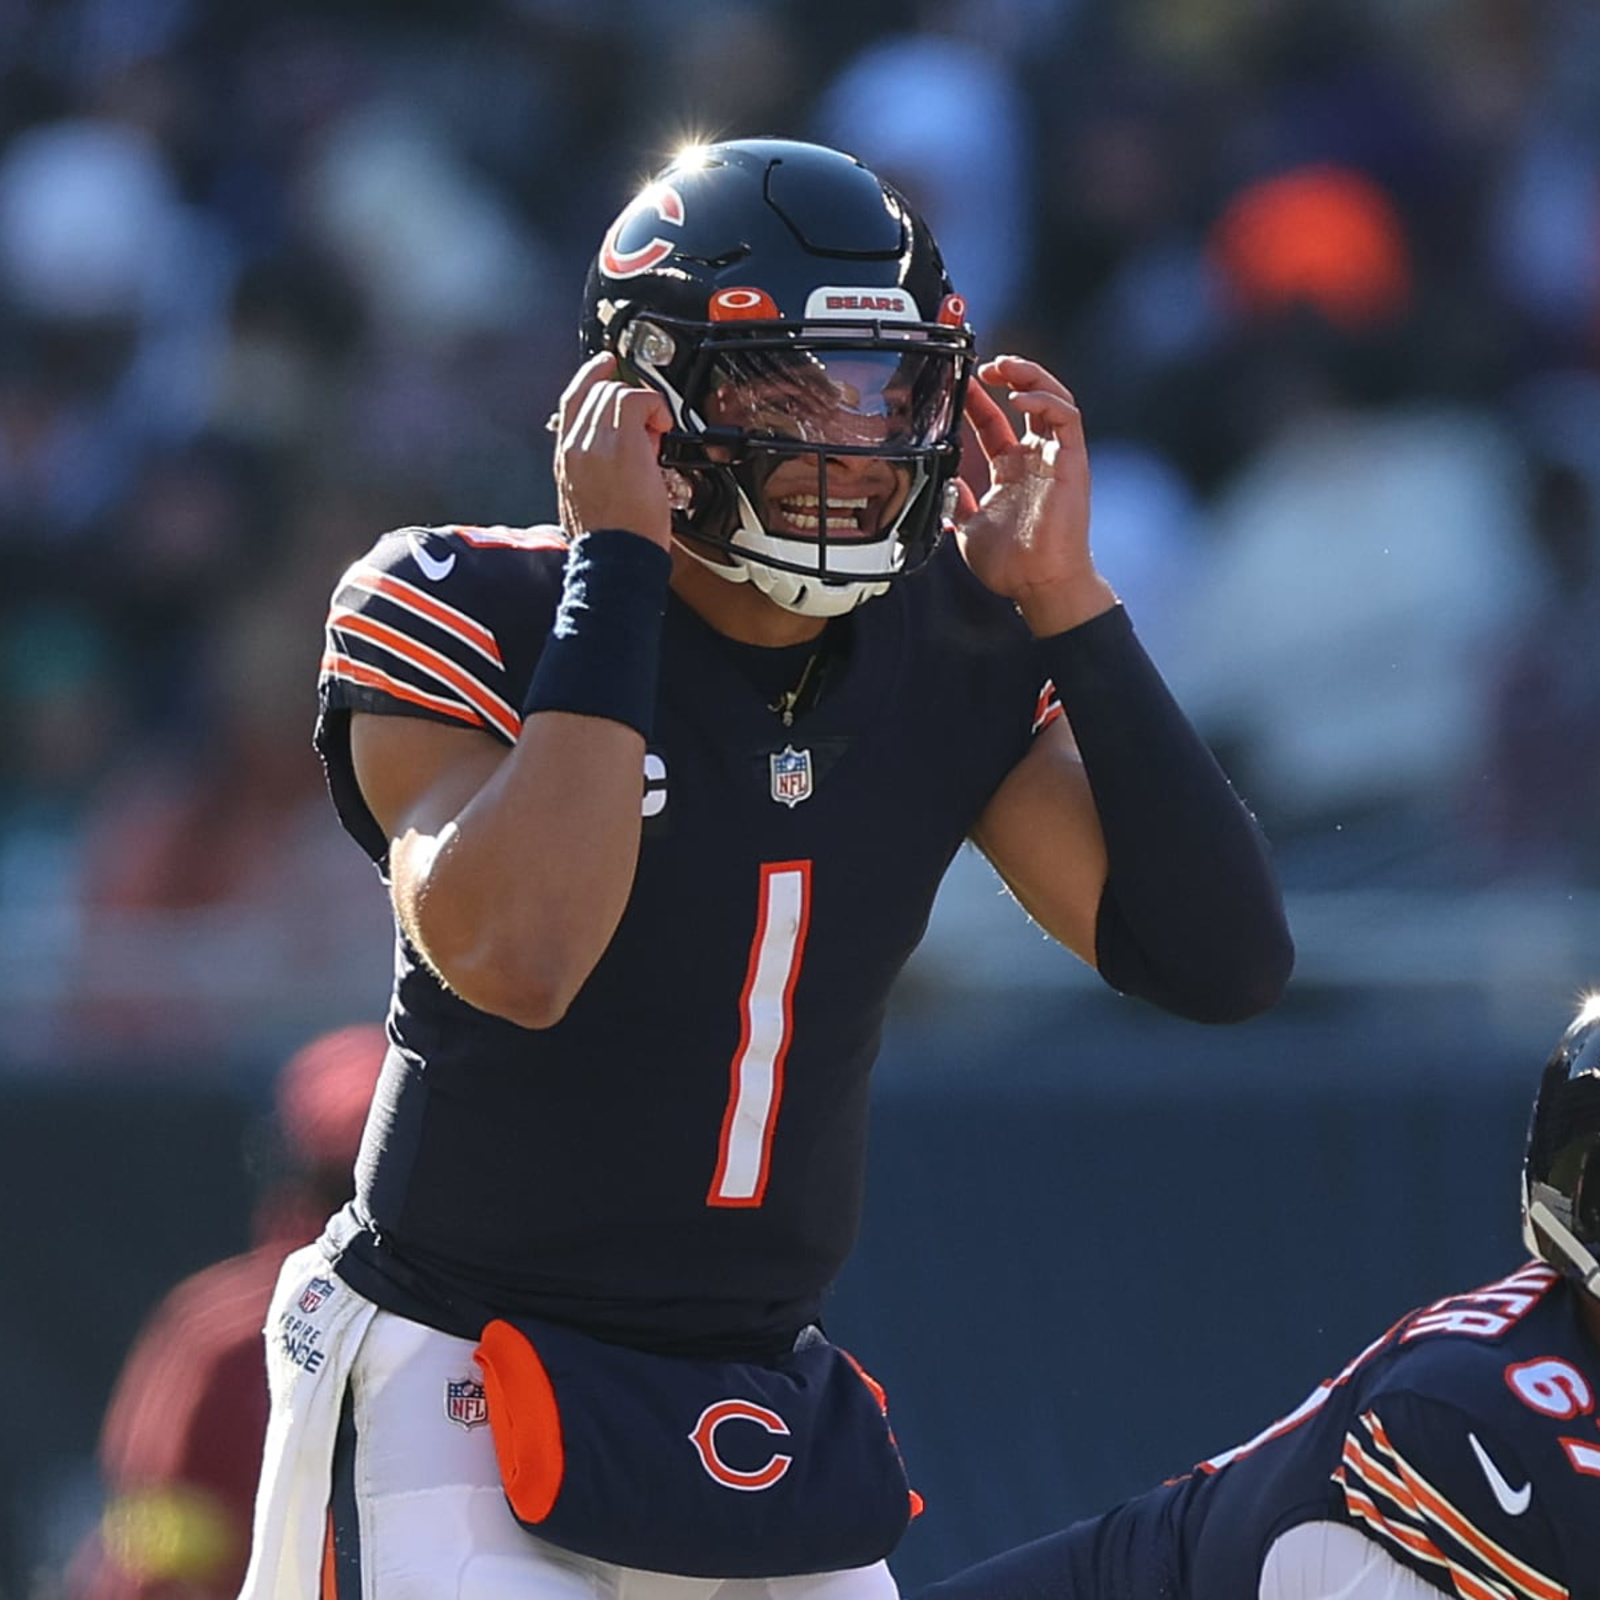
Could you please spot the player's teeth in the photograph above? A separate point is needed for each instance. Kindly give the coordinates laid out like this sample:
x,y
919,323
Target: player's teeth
x,y
805,524
800,511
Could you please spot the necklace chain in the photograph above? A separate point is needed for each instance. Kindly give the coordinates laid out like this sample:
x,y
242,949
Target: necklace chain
x,y
788,702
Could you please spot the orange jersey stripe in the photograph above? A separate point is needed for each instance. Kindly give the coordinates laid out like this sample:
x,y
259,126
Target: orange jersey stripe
x,y
1468,1584
413,599
1400,1533
1377,1476
1048,707
335,665
489,705
1518,1573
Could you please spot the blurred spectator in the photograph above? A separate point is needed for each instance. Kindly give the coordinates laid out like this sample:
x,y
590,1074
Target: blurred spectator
x,y
439,256
61,702
1148,529
180,1447
1367,567
1320,236
1535,798
127,282
944,117
1541,237
1286,254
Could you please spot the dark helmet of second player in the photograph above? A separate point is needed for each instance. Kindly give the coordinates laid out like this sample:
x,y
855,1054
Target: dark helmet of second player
x,y
795,313
1561,1169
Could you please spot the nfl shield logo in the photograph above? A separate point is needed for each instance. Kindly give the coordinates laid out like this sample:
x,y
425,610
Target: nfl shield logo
x,y
791,775
315,1293
464,1403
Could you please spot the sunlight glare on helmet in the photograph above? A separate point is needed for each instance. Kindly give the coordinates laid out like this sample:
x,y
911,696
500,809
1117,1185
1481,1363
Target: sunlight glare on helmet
x,y
691,155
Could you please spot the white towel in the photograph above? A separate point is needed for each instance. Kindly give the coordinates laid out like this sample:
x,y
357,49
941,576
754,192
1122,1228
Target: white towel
x,y
314,1327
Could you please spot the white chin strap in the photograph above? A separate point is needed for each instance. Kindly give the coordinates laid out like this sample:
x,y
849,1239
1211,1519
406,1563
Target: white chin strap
x,y
859,570
864,569
811,597
794,591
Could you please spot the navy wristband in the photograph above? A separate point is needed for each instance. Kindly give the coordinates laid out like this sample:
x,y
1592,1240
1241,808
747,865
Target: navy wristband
x,y
604,650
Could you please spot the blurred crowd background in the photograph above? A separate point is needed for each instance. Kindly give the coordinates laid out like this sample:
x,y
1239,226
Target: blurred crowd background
x,y
276,275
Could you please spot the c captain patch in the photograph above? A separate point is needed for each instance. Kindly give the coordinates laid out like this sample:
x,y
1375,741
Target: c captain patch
x,y
791,775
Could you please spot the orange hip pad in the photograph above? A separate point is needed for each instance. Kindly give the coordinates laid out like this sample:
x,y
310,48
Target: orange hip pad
x,y
524,1419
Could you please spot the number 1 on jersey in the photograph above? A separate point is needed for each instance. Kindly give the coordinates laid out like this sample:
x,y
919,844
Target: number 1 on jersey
x,y
766,1019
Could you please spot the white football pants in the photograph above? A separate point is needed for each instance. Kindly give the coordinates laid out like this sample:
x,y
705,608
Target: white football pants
x,y
1331,1561
432,1519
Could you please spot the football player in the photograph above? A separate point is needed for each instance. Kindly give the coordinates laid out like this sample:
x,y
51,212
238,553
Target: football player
x,y
180,1442
1459,1453
662,796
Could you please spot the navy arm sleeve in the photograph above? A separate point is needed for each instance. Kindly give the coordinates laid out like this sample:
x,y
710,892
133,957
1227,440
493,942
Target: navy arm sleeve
x,y
1191,918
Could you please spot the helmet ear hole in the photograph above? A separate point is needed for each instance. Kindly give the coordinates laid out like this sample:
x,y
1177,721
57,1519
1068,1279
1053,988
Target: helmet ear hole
x,y
642,343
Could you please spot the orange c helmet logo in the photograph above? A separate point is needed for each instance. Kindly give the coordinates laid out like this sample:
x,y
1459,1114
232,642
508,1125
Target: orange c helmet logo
x,y
704,1439
667,204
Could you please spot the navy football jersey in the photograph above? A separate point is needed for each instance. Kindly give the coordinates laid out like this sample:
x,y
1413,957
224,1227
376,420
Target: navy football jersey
x,y
677,1163
1464,1441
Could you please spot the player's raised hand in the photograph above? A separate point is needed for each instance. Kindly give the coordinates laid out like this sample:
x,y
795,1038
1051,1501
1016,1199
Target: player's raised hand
x,y
608,440
1028,538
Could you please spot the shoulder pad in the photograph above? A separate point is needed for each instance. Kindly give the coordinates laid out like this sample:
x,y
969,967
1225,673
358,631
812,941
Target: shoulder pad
x,y
434,622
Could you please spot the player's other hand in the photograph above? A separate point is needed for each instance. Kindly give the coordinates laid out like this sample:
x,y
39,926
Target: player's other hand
x,y
608,440
1028,538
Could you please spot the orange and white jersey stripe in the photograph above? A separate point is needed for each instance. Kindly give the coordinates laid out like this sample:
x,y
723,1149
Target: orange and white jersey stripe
x,y
410,598
415,622
1399,1503
1048,708
402,657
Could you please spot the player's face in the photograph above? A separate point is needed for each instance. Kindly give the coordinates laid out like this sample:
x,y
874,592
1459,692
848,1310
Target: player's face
x,y
846,403
858,496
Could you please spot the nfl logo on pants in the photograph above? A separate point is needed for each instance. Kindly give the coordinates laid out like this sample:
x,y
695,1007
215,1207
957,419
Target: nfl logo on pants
x,y
791,775
464,1402
315,1293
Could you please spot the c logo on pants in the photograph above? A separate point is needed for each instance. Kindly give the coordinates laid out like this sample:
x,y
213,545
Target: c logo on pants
x,y
704,1439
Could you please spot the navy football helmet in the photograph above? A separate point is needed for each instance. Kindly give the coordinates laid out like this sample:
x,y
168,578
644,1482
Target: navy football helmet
x,y
796,316
1561,1171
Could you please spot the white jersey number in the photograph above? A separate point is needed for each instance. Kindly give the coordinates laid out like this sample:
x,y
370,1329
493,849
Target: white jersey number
x,y
766,1021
